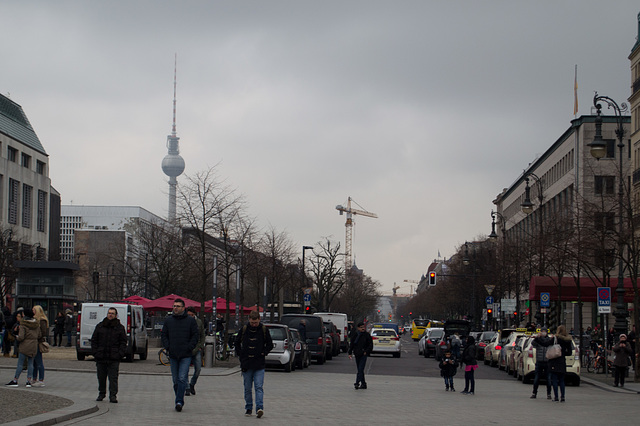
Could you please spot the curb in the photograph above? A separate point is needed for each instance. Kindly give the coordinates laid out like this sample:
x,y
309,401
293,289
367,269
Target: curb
x,y
77,409
606,387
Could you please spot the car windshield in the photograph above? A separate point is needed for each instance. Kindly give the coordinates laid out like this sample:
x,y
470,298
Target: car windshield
x,y
421,323
277,333
435,334
487,335
384,333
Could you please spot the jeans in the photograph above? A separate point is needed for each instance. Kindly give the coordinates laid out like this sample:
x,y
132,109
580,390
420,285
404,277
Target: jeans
x,y
180,376
196,360
108,369
68,338
469,381
448,381
361,362
542,368
257,378
21,359
557,378
38,367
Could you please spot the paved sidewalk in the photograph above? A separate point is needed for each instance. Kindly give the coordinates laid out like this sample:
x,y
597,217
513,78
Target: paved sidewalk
x,y
304,397
605,382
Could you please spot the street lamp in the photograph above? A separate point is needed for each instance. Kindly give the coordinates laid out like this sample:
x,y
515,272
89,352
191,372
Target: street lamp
x,y
467,261
527,208
304,274
598,151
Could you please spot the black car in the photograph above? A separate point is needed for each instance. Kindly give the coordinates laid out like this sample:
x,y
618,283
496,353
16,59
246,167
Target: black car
x,y
313,330
329,337
303,358
461,328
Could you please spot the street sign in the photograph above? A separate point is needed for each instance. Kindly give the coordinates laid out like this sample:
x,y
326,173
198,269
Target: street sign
x,y
489,300
604,300
489,288
545,299
308,290
544,310
307,298
508,305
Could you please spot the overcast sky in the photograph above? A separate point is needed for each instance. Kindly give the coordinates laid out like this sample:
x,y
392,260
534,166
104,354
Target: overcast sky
x,y
421,111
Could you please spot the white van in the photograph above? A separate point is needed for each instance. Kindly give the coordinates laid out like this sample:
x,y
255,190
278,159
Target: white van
x,y
340,321
130,316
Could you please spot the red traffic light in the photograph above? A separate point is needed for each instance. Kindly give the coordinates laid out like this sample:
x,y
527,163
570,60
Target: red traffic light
x,y
489,311
515,314
307,308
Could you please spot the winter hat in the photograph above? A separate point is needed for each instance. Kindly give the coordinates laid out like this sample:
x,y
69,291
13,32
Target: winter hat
x,y
623,336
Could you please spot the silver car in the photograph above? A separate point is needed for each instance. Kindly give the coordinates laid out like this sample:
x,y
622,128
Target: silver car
x,y
283,353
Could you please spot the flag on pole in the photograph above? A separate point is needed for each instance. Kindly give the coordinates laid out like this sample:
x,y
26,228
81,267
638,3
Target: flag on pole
x,y
575,92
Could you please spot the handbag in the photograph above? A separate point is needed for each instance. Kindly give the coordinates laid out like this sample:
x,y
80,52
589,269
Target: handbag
x,y
44,347
554,351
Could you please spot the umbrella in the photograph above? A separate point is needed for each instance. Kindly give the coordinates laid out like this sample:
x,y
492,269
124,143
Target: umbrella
x,y
135,300
165,303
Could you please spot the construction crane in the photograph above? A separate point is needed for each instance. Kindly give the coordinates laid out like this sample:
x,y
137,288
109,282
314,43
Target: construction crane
x,y
349,226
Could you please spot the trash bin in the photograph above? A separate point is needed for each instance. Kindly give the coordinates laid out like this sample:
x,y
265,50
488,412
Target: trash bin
x,y
209,350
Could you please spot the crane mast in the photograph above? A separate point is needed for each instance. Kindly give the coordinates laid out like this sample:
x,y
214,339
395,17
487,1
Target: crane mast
x,y
349,228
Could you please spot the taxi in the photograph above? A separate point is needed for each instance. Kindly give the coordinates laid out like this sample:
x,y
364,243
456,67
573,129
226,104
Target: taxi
x,y
516,354
526,367
386,341
508,347
493,348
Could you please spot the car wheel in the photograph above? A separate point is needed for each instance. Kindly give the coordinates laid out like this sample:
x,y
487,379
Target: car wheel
x,y
329,355
80,356
396,355
287,367
526,380
143,355
321,360
486,361
307,363
293,364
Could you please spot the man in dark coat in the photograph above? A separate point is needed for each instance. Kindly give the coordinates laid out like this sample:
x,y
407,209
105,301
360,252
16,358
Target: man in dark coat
x,y
179,339
109,345
541,342
361,346
621,361
253,343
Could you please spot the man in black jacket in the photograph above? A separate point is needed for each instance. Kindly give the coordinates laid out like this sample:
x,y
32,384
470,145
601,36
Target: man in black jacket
x,y
108,344
253,343
179,339
361,346
541,343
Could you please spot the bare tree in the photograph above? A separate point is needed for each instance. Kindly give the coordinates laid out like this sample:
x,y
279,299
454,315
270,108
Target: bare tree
x,y
328,275
358,297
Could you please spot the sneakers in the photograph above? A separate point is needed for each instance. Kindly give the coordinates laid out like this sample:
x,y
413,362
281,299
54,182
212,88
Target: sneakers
x,y
248,413
464,392
187,392
100,398
470,393
13,384
446,389
452,389
192,389
38,384
561,399
363,386
357,386
533,396
178,407
28,384
259,413
548,396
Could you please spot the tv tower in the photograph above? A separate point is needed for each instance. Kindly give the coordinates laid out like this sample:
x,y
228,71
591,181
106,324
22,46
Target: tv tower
x,y
173,163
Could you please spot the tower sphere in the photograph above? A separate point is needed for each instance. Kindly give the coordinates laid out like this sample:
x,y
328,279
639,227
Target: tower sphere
x,y
173,165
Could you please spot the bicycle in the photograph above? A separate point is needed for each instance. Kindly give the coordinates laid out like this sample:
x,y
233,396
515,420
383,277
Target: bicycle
x,y
163,356
596,363
221,353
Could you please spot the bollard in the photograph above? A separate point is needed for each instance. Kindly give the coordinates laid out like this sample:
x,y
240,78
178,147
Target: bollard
x,y
209,349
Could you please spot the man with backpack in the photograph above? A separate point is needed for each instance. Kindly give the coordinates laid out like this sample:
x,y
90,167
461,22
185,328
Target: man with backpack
x,y
253,343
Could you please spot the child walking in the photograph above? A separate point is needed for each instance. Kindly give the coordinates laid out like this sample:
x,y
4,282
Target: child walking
x,y
448,368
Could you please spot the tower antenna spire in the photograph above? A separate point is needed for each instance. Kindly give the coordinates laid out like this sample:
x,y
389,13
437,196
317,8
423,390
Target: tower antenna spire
x,y
175,80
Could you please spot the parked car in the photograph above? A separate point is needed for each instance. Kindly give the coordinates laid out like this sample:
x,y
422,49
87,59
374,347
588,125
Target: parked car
x,y
482,342
515,354
329,338
340,321
314,330
335,339
303,357
385,341
507,347
492,350
283,354
460,327
527,365
422,342
432,340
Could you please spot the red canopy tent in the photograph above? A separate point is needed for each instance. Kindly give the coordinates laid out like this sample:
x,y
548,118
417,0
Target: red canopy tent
x,y
221,307
165,303
135,300
569,293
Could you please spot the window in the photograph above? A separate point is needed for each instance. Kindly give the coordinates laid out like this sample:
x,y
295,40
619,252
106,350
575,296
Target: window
x,y
605,222
12,154
604,185
42,210
611,148
12,217
26,160
604,257
27,195
40,167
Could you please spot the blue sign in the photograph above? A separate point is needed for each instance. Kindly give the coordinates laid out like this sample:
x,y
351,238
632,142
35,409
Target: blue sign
x,y
545,299
489,300
604,296
307,298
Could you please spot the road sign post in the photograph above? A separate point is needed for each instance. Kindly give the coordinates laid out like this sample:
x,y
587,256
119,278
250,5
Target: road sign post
x,y
604,300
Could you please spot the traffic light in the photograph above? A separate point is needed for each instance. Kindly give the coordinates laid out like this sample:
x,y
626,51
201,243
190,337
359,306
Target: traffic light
x,y
489,311
432,278
307,309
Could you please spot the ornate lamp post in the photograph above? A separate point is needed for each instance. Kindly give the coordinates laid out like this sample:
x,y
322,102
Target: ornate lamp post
x,y
598,151
466,260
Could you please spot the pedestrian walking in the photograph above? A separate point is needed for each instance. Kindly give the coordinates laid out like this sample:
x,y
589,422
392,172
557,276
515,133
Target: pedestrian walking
x,y
540,343
28,335
252,344
38,364
361,346
456,344
621,361
471,364
558,366
58,329
69,325
448,369
196,358
8,325
179,339
109,346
